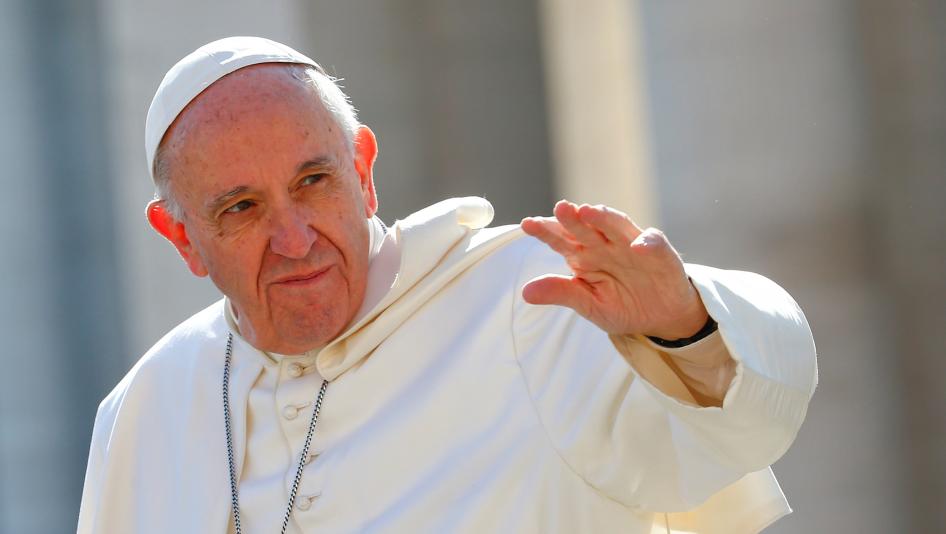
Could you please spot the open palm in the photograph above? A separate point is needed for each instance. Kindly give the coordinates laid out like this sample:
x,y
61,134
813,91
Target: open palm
x,y
625,280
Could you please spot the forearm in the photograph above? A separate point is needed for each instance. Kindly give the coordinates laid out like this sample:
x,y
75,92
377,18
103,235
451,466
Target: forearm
x,y
705,367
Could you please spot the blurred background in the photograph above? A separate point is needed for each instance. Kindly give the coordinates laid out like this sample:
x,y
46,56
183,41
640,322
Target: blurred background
x,y
804,140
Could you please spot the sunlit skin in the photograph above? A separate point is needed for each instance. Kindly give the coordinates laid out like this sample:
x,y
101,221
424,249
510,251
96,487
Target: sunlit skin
x,y
276,203
275,206
625,280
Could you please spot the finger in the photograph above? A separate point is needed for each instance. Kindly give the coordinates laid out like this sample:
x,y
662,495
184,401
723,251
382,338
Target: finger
x,y
559,290
567,214
550,232
614,224
653,246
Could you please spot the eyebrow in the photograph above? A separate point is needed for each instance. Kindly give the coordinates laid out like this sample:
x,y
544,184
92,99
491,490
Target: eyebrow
x,y
220,200
315,163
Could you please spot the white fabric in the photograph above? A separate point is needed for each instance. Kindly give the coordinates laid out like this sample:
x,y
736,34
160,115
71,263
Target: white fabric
x,y
455,406
202,67
376,233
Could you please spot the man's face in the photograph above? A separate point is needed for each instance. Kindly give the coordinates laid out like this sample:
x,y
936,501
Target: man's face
x,y
275,205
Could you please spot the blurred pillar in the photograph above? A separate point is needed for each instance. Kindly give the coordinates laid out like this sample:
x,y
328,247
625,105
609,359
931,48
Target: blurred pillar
x,y
906,72
61,320
597,104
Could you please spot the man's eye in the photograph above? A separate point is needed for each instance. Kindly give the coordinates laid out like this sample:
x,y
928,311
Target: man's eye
x,y
239,206
312,178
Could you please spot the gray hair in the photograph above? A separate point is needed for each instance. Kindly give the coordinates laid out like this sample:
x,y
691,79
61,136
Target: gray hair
x,y
330,93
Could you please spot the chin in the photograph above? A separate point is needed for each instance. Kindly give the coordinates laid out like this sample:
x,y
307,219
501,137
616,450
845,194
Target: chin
x,y
315,330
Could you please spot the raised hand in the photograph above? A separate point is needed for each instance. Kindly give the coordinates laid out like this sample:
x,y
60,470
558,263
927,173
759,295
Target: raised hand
x,y
625,280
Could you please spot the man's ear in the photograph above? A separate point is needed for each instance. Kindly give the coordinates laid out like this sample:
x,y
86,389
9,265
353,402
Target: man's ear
x,y
366,151
173,230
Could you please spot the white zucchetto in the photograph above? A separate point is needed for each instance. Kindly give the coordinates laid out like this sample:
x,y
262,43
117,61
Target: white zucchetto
x,y
201,68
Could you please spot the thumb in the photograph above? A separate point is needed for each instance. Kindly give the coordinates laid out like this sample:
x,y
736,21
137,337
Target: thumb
x,y
558,290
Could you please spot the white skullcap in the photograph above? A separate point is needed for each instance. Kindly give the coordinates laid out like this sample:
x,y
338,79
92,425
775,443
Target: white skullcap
x,y
201,68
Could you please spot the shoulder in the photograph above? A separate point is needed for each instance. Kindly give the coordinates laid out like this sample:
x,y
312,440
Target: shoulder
x,y
174,357
511,266
205,326
180,347
517,250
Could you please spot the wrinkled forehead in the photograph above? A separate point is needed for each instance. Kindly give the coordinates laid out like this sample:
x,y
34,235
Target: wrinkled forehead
x,y
261,119
246,91
201,69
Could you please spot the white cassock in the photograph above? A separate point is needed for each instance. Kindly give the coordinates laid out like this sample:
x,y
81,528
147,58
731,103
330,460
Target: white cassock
x,y
454,406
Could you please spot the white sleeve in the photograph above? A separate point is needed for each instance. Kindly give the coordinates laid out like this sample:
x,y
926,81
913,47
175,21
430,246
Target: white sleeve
x,y
634,439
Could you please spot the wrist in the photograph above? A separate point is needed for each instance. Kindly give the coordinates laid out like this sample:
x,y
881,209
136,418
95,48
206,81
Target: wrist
x,y
708,328
686,324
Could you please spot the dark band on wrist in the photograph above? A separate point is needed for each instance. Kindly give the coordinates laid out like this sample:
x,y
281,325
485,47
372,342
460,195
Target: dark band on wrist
x,y
707,329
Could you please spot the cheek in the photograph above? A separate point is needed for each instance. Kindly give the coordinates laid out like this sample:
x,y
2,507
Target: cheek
x,y
340,217
234,266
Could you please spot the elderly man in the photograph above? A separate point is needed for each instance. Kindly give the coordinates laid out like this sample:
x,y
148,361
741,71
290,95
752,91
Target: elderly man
x,y
437,376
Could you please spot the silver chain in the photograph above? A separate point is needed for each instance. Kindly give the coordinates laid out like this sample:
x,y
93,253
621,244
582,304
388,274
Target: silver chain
x,y
234,496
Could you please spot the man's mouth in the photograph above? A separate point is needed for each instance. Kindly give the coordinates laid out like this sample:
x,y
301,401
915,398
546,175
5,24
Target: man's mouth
x,y
302,278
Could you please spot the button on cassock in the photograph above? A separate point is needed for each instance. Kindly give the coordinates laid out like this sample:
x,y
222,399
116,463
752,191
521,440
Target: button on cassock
x,y
290,412
294,370
305,501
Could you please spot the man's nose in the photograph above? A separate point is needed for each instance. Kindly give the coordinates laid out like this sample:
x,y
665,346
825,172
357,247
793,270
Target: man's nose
x,y
291,236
